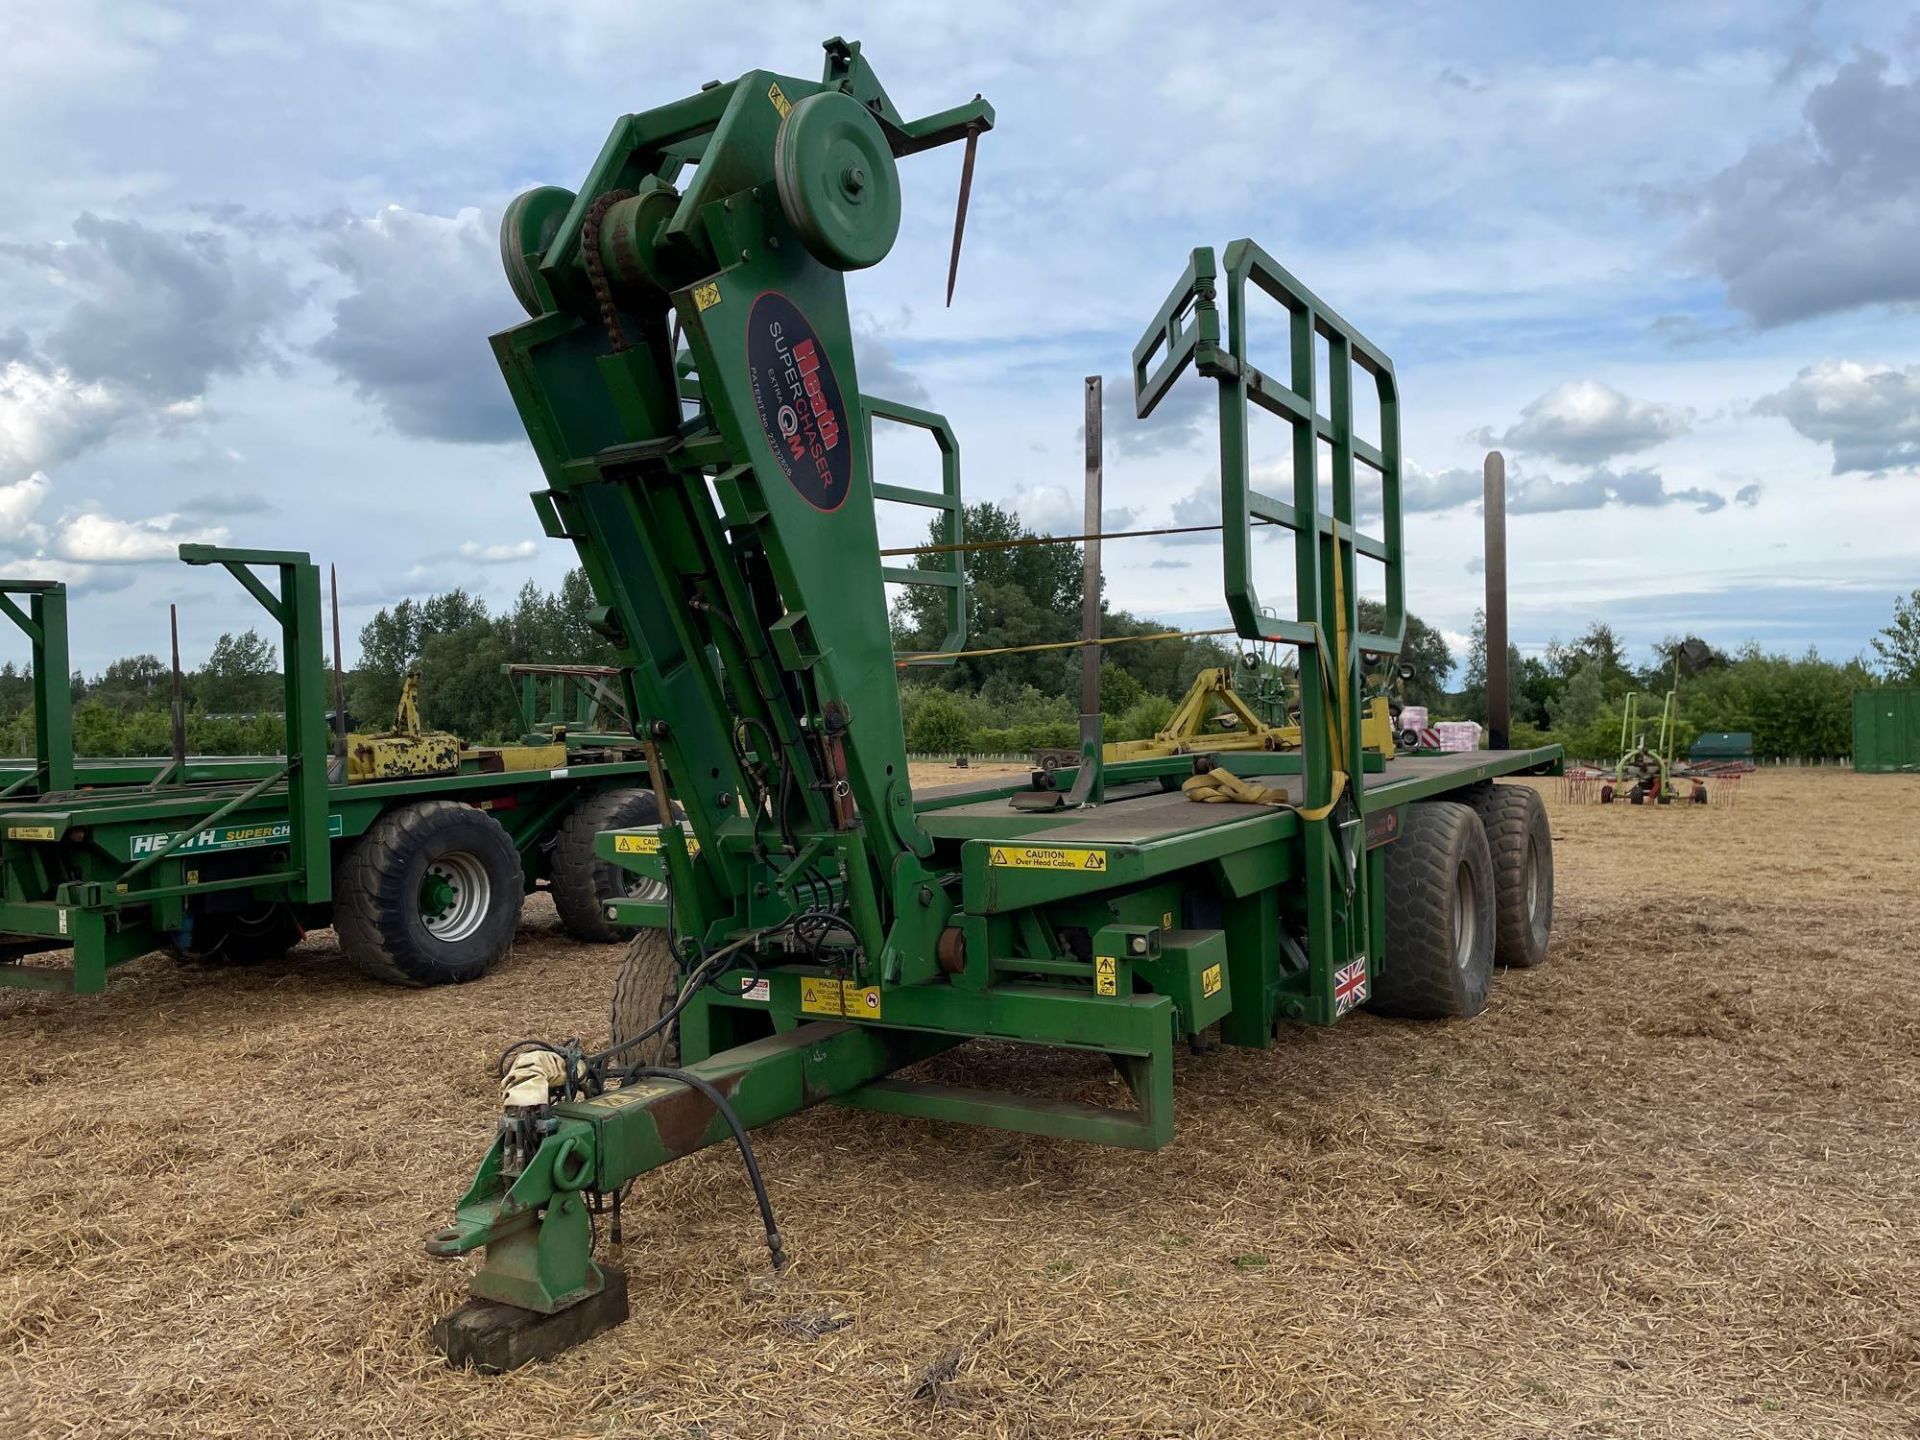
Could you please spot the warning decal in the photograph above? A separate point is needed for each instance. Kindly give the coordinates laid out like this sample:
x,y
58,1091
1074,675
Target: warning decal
x,y
1106,975
818,996
1210,980
648,844
822,995
1045,857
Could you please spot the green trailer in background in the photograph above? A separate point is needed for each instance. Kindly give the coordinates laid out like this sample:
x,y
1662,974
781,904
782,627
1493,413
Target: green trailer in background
x,y
1886,730
231,859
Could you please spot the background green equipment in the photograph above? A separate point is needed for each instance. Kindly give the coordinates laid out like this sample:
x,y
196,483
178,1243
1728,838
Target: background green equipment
x,y
421,865
688,381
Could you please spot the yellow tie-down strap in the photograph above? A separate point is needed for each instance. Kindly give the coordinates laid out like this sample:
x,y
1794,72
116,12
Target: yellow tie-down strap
x,y
1220,786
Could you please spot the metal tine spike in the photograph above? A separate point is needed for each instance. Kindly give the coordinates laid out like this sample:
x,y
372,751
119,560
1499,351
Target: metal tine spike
x,y
960,210
339,674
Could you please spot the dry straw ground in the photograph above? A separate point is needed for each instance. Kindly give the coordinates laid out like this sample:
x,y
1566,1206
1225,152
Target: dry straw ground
x,y
1667,1185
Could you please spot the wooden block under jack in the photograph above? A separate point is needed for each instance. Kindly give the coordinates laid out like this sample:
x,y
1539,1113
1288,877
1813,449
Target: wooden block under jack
x,y
492,1338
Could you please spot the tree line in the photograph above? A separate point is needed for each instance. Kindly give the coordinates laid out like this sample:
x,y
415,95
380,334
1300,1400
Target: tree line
x,y
234,700
1573,693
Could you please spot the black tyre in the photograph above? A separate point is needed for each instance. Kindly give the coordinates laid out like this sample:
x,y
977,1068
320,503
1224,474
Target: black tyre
x,y
1440,916
1521,844
430,895
582,883
251,936
644,989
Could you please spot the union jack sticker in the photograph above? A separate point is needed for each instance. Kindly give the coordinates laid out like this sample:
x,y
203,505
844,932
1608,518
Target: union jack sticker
x,y
1349,986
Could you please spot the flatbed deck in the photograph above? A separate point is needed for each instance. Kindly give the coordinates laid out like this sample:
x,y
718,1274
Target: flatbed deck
x,y
1143,810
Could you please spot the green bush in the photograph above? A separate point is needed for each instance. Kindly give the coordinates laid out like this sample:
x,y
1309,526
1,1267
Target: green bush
x,y
1048,737
1145,718
940,725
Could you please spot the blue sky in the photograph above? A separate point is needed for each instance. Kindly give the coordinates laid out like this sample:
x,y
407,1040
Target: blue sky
x,y
1666,257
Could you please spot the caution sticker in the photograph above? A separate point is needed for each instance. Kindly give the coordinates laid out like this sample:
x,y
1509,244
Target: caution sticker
x,y
1045,857
30,832
779,99
821,995
647,844
706,296
1106,975
1210,980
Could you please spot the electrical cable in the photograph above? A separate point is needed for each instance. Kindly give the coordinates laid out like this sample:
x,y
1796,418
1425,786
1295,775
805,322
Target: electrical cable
x,y
1022,542
918,657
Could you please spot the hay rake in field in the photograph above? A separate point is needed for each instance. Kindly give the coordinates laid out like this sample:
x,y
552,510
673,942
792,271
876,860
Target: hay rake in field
x,y
1684,784
1649,774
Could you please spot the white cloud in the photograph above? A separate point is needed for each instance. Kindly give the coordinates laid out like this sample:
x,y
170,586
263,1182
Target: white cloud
x,y
499,554
1054,510
1422,489
156,313
1585,422
47,416
1824,220
1541,494
20,502
1869,414
411,336
91,538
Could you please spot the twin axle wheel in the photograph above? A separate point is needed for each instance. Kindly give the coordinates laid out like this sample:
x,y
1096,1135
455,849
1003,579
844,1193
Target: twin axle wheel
x,y
431,894
1469,886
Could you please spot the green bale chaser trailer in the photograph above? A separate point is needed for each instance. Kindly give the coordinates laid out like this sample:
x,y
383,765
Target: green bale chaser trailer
x,y
230,859
824,924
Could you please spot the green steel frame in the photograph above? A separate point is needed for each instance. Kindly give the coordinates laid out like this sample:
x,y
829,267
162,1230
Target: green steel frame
x,y
113,858
750,612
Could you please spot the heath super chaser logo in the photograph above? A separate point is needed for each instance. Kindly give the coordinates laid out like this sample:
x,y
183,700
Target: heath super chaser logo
x,y
798,401
226,837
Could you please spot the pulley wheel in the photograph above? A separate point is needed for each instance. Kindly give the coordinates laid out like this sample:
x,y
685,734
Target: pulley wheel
x,y
837,181
526,230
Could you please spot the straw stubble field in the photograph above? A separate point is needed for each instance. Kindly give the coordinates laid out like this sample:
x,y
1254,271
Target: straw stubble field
x,y
1667,1185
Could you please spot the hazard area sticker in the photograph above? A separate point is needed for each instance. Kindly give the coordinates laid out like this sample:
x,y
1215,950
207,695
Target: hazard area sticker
x,y
1045,857
822,995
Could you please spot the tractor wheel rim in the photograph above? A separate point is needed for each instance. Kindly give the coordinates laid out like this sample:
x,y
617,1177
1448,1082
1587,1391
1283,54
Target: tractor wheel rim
x,y
1465,921
645,888
1533,884
455,895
